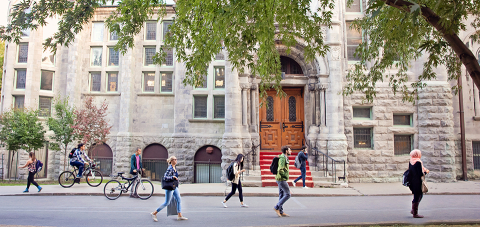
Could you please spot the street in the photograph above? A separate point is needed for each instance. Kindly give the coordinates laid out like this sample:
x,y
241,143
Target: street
x,y
208,211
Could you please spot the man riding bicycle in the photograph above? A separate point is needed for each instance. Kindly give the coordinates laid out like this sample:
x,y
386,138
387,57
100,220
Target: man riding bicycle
x,y
77,159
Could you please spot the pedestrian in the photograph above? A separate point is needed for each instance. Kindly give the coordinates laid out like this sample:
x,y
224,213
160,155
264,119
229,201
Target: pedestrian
x,y
171,174
236,183
302,157
281,178
77,159
416,172
31,171
135,168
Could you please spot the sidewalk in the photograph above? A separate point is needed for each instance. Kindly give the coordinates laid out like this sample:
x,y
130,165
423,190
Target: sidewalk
x,y
220,189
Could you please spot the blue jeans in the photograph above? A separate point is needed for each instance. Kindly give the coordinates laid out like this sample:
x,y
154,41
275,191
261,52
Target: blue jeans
x,y
80,166
303,170
168,198
283,195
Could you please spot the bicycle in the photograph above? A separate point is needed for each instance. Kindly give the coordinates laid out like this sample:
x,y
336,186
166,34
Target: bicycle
x,y
114,188
68,178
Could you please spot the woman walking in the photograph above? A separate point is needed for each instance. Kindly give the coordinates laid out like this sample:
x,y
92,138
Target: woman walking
x,y
31,171
416,172
171,175
236,183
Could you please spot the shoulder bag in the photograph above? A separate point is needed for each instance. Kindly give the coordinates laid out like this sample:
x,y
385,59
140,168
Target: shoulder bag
x,y
169,185
424,185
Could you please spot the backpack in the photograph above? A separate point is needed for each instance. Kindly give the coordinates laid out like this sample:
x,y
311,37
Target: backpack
x,y
298,163
230,174
38,166
274,165
405,178
70,155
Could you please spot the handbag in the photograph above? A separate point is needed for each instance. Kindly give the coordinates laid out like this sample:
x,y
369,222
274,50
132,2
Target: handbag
x,y
169,185
172,207
424,185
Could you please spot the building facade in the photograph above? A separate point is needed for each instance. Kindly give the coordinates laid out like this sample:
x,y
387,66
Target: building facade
x,y
205,127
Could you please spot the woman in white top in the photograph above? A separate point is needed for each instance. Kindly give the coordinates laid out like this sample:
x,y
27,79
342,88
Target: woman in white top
x,y
236,183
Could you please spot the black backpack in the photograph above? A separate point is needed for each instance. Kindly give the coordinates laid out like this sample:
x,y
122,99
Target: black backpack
x,y
406,178
230,174
71,153
274,165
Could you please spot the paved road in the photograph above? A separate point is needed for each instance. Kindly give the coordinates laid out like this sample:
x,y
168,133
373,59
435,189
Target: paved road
x,y
207,211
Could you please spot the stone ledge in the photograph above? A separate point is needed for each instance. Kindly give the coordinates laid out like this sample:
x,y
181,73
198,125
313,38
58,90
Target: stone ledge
x,y
207,120
155,94
402,130
102,94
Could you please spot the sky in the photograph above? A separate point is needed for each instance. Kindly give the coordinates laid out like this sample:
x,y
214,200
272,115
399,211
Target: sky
x,y
3,12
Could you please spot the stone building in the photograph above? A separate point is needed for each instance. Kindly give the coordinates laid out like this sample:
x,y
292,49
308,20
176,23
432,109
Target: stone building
x,y
207,126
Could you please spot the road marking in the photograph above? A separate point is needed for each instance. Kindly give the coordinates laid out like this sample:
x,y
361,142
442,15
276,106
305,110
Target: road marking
x,y
298,202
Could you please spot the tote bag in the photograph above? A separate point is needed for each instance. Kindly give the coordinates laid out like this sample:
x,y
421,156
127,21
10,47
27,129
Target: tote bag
x,y
172,207
424,185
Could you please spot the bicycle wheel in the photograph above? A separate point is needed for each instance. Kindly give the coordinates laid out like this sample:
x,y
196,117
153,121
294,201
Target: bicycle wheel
x,y
94,178
66,179
144,189
112,189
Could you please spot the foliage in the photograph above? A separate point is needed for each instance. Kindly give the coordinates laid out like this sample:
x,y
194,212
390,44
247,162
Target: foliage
x,y
62,125
399,32
90,125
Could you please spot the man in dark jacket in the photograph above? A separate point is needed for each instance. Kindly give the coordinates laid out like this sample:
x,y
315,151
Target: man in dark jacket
x,y
302,156
135,168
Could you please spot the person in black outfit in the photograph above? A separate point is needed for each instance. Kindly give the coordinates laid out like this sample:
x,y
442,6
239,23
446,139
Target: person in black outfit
x,y
302,156
416,172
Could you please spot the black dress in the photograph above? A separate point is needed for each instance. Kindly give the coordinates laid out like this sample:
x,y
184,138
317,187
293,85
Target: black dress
x,y
415,177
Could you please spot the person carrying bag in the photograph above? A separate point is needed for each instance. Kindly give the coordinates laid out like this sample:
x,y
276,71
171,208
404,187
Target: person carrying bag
x,y
416,178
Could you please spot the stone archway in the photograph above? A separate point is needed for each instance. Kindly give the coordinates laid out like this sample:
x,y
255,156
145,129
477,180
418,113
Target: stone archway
x,y
207,165
154,160
103,156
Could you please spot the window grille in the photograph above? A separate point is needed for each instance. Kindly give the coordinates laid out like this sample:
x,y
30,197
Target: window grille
x,y
96,81
96,56
113,36
476,154
292,109
219,106
149,53
45,106
97,32
362,112
166,28
22,52
355,7
151,31
112,82
46,81
166,82
270,103
19,101
113,57
219,77
401,119
362,138
354,38
21,78
200,109
149,82
169,57
220,56
402,144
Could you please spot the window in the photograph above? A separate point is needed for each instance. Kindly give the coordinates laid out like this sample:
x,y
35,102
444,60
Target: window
x,y
218,106
112,81
362,112
113,57
151,30
19,101
200,106
169,58
402,119
97,31
220,56
149,53
22,52
355,7
113,36
354,38
476,154
166,81
219,77
402,144
96,56
166,28
204,83
45,106
48,58
362,138
95,81
290,66
21,79
46,82
148,81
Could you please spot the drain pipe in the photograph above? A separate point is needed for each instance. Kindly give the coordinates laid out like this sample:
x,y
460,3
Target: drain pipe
x,y
462,130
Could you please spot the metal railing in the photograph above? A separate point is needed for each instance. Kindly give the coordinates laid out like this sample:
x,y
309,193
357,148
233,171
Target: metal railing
x,y
325,162
253,154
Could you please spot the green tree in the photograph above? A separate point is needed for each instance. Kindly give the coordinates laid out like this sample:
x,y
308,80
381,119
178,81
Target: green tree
x,y
21,130
61,125
398,32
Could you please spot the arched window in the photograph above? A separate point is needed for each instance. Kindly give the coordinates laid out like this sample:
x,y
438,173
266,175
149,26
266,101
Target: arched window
x,y
154,160
103,156
290,66
208,165
270,116
292,109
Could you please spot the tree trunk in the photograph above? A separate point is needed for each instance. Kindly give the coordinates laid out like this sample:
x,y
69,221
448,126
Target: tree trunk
x,y
464,54
65,159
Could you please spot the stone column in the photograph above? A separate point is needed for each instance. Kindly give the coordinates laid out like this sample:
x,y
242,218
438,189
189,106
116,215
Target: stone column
x,y
245,88
253,107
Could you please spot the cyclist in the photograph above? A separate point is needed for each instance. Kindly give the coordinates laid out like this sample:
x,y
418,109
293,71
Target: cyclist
x,y
77,159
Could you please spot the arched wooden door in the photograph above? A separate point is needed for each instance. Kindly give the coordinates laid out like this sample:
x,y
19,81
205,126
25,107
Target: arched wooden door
x,y
282,120
103,156
208,165
154,160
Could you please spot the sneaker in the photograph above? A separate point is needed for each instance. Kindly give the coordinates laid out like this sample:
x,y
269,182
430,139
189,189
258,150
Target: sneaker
x,y
278,212
294,184
305,187
244,205
39,189
182,218
26,190
154,216
224,205
285,215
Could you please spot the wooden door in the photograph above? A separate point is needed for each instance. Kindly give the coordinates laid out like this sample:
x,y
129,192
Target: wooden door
x,y
281,120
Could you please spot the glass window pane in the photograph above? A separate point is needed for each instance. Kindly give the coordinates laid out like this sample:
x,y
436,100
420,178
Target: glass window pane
x,y
219,77
476,154
21,79
96,56
354,38
169,57
113,57
219,106
113,36
402,144
95,81
149,82
362,138
292,109
355,7
151,31
22,52
361,112
166,82
200,108
97,32
149,53
46,82
19,101
45,106
112,84
166,25
401,119
270,112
